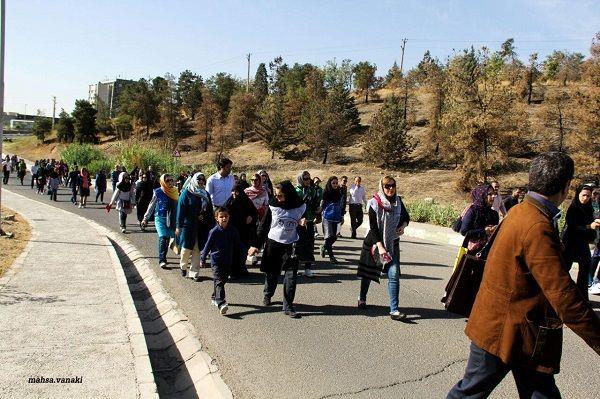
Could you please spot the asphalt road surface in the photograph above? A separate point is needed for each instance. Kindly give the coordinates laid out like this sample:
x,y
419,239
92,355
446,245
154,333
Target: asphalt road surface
x,y
335,349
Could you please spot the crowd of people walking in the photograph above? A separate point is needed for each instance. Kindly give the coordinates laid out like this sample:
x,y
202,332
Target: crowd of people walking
x,y
228,219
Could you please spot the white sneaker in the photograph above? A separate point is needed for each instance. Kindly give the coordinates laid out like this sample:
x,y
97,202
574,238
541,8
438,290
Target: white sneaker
x,y
396,315
214,303
309,273
595,289
123,230
223,308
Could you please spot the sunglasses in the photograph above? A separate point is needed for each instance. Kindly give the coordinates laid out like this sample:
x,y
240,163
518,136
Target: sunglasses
x,y
169,180
306,179
389,186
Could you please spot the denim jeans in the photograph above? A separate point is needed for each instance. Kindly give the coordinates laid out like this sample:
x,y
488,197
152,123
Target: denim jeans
x,y
123,219
393,273
74,195
163,247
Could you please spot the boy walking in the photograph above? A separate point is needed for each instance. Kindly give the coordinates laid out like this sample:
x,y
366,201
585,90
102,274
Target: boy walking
x,y
221,242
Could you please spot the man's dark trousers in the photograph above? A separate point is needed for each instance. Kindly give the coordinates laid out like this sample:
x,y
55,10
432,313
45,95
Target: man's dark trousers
x,y
356,217
220,278
485,371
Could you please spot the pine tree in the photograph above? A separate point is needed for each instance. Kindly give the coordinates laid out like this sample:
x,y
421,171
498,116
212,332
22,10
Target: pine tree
x,y
84,118
189,92
271,126
242,114
389,143
140,101
260,86
364,77
394,76
41,127
208,116
65,129
558,118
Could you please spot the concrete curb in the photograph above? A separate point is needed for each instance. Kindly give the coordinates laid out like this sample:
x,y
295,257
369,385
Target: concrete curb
x,y
204,380
146,385
424,231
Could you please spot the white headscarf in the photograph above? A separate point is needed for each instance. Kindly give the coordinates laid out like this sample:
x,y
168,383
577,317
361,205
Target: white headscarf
x,y
194,187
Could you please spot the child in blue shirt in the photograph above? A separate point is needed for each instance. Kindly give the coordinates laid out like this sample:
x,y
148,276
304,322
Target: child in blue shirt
x,y
221,242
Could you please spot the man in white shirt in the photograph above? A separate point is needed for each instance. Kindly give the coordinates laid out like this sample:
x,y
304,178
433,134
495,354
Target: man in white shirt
x,y
357,200
498,204
220,184
34,173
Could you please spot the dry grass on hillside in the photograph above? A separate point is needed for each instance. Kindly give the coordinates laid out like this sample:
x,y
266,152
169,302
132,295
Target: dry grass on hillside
x,y
11,248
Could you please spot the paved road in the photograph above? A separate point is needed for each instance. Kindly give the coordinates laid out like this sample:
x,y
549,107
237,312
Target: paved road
x,y
335,350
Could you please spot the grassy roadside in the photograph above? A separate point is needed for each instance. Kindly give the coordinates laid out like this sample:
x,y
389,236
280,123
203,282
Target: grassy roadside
x,y
11,248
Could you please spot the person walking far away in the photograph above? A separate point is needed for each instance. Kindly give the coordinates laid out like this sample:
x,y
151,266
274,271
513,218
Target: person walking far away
x,y
163,206
331,205
124,198
580,231
306,243
526,295
143,195
595,288
513,199
498,204
53,185
220,184
280,233
388,218
222,244
357,200
34,173
114,176
85,181
480,220
100,185
21,170
6,168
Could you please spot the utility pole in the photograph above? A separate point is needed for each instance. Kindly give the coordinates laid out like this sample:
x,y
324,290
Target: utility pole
x,y
2,41
402,59
248,79
53,110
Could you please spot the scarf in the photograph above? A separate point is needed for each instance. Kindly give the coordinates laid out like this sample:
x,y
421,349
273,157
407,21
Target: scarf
x,y
170,191
122,185
253,192
192,185
389,211
291,201
479,196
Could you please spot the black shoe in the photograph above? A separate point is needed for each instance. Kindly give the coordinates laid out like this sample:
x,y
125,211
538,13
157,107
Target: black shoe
x,y
197,278
267,301
333,260
292,314
183,272
362,304
353,236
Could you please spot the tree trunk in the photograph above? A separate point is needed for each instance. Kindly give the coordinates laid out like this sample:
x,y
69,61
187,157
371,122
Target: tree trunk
x,y
367,96
561,130
325,154
530,90
272,154
206,140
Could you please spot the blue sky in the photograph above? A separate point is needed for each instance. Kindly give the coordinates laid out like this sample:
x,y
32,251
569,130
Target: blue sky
x,y
59,47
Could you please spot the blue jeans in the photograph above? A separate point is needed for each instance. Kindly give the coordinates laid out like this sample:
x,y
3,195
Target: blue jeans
x,y
393,273
163,247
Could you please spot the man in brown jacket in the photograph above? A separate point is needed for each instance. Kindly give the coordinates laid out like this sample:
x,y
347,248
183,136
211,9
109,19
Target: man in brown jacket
x,y
526,294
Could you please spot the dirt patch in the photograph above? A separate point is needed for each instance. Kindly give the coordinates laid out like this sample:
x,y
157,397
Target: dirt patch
x,y
11,248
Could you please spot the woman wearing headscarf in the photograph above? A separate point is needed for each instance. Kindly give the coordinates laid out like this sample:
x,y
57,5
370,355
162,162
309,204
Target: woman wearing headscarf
x,y
280,233
579,232
381,247
305,247
243,216
266,182
144,192
259,196
124,198
163,206
194,221
21,170
595,288
480,220
331,205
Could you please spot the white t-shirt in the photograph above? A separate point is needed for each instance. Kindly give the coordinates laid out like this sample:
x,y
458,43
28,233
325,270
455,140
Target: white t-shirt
x,y
284,223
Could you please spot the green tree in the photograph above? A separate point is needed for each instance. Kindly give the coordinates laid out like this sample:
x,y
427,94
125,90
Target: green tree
x,y
563,66
84,120
338,74
170,120
481,119
189,92
223,86
141,102
260,86
65,128
277,71
389,143
41,127
242,114
271,126
103,123
123,126
394,76
364,77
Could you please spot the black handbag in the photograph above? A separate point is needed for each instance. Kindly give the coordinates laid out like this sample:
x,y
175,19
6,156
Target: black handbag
x,y
463,286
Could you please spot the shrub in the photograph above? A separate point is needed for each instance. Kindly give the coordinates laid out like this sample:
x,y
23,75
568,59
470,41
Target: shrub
x,y
160,161
426,212
99,164
82,154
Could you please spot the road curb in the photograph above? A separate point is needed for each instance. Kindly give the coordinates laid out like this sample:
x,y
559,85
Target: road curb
x,y
424,231
201,377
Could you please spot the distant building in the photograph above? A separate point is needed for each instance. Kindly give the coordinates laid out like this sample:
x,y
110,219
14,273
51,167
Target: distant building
x,y
108,92
14,121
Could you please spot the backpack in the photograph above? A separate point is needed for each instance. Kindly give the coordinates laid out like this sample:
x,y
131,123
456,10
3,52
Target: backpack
x,y
457,225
